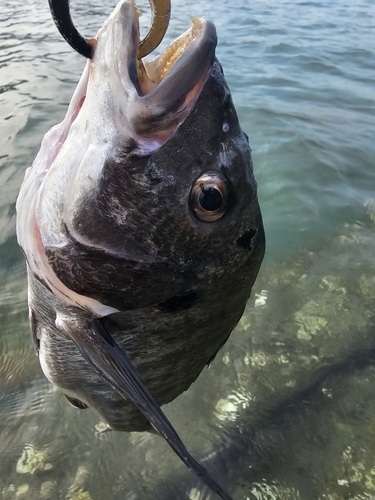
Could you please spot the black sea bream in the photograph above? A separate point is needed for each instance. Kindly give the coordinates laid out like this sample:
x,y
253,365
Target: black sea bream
x,y
141,228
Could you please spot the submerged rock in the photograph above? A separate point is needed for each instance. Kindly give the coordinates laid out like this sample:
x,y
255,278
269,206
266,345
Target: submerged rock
x,y
76,490
32,460
46,489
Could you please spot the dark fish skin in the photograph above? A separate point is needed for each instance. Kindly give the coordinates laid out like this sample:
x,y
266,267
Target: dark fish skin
x,y
181,284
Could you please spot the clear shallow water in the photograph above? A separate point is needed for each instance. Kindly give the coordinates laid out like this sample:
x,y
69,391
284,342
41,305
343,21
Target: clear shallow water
x,y
302,76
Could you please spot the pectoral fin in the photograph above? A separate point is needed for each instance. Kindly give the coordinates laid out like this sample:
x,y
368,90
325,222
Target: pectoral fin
x,y
110,362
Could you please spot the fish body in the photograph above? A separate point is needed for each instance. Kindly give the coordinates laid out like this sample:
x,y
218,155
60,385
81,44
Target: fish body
x,y
140,225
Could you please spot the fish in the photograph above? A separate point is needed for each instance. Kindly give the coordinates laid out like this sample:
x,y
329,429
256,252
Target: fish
x,y
141,228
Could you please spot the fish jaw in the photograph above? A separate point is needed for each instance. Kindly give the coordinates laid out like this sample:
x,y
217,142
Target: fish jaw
x,y
149,98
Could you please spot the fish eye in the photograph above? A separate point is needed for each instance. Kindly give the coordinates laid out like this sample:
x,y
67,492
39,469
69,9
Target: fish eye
x,y
211,196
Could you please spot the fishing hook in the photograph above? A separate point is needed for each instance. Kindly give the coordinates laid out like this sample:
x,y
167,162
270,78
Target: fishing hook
x,y
160,15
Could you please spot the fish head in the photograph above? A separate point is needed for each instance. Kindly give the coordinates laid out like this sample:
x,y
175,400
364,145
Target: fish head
x,y
145,101
150,168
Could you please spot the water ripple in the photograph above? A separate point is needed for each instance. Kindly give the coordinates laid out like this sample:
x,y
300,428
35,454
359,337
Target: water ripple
x,y
302,77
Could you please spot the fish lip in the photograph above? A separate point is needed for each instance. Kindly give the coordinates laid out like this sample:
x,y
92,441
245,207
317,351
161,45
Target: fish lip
x,y
166,106
194,61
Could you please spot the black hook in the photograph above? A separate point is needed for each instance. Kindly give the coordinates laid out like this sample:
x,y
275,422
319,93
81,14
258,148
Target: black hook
x,y
61,16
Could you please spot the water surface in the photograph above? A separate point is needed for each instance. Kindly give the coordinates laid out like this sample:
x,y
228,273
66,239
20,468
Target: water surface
x,y
286,410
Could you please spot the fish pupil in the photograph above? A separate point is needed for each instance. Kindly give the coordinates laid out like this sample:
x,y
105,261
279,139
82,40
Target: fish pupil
x,y
210,199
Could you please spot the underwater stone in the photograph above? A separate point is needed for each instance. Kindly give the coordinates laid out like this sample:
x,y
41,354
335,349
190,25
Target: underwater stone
x,y
244,323
367,286
47,488
259,358
225,410
333,284
308,321
195,494
263,491
79,495
32,460
226,359
370,480
76,491
311,325
261,299
370,205
22,490
151,456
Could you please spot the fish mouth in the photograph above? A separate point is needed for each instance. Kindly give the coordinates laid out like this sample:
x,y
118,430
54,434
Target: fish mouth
x,y
145,100
157,94
163,90
184,62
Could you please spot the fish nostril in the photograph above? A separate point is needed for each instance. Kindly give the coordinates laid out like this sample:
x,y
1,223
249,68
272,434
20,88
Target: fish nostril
x,y
244,241
179,302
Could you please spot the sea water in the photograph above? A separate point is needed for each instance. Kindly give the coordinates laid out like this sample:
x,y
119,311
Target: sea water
x,y
287,408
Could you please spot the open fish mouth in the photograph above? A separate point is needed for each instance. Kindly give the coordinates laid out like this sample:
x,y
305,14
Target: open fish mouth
x,y
153,97
168,85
